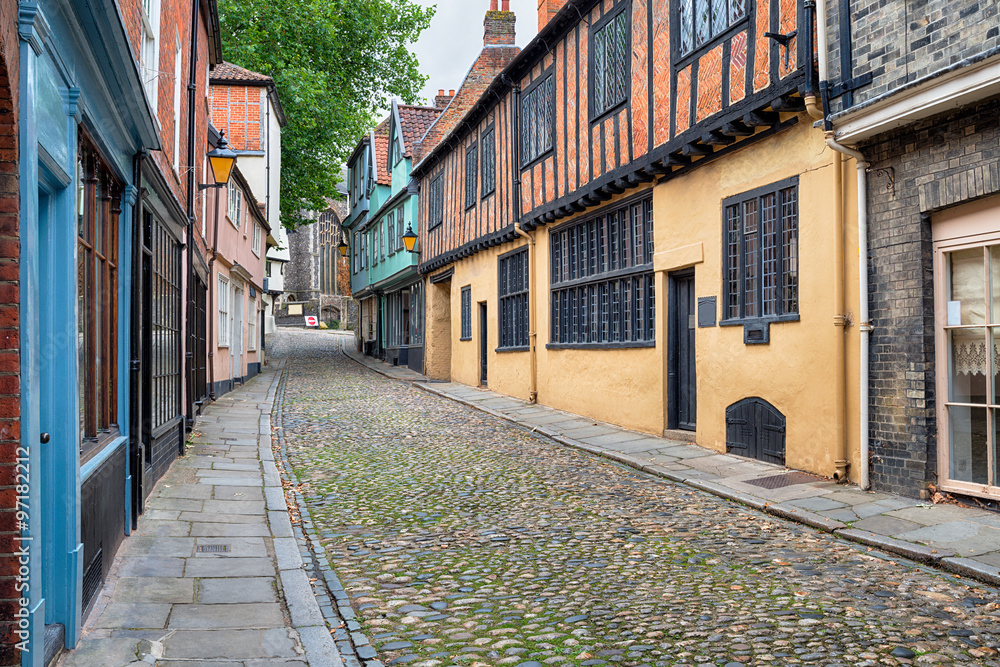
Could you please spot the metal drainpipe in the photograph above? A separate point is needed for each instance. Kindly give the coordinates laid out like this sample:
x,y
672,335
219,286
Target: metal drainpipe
x,y
864,326
135,334
192,191
814,105
532,321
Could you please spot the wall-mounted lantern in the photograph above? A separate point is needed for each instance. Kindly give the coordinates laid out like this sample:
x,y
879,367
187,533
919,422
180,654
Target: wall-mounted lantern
x,y
409,238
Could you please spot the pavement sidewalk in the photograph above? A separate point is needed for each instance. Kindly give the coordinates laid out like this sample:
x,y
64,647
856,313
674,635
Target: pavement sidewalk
x,y
213,574
962,540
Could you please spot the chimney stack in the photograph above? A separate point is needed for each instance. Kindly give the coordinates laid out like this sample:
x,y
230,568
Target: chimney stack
x,y
499,25
442,100
547,9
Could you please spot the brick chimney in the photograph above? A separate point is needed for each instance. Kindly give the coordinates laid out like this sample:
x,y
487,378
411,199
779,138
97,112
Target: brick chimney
x,y
442,100
546,10
499,25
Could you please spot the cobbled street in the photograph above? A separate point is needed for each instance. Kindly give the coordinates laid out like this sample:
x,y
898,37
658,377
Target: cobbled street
x,y
462,539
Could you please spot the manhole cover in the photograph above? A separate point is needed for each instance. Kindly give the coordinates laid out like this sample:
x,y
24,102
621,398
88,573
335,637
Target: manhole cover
x,y
213,548
784,479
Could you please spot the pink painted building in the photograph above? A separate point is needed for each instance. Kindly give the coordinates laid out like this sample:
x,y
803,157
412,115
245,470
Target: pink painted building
x,y
238,237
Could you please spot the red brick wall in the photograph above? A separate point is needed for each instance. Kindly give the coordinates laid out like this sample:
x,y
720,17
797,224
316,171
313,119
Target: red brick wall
x,y
237,110
10,412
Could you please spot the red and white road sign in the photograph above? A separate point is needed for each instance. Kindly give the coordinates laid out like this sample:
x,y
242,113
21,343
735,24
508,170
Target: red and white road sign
x,y
312,321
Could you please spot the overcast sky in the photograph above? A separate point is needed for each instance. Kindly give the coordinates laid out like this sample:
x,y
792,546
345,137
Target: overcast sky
x,y
447,49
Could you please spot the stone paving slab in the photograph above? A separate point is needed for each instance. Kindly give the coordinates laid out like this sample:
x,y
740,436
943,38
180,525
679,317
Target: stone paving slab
x,y
941,527
210,576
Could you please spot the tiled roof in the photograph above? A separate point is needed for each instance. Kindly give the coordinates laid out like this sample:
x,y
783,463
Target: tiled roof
x,y
381,154
414,123
231,72
488,65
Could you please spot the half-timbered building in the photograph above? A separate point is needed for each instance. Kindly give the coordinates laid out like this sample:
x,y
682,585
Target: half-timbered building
x,y
637,222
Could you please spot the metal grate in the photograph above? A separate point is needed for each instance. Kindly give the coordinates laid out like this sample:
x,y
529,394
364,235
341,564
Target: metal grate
x,y
784,479
213,548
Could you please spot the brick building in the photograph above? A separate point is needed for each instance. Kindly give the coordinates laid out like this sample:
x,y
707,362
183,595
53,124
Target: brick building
x,y
10,412
921,103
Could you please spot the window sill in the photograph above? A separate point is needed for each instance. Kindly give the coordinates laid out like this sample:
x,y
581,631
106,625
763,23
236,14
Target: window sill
x,y
91,448
486,195
609,113
524,348
742,321
601,346
465,339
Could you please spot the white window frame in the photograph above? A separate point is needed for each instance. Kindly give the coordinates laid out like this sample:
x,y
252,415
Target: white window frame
x,y
255,243
149,52
225,299
252,326
235,204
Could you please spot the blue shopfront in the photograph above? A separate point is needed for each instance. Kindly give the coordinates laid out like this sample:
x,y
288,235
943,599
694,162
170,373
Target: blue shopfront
x,y
84,122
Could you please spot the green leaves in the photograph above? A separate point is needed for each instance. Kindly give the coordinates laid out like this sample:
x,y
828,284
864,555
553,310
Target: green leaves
x,y
336,64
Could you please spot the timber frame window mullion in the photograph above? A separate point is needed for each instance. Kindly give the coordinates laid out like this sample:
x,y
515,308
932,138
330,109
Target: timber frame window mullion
x,y
760,255
98,211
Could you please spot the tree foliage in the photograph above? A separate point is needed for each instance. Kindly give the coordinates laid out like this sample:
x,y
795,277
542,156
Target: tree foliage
x,y
336,64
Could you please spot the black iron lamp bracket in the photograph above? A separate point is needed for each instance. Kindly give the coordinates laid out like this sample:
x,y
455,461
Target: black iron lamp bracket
x,y
785,41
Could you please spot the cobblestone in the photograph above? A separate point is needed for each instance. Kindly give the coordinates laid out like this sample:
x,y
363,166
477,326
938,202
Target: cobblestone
x,y
461,539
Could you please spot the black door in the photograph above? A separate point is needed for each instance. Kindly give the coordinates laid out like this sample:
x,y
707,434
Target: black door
x,y
756,429
482,344
682,382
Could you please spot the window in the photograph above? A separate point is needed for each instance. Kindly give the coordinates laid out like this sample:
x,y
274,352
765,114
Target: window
x,y
471,173
514,300
381,239
466,313
391,221
356,253
762,253
417,314
436,203
98,209
235,204
150,50
165,324
253,314
255,243
611,64
399,229
489,163
177,104
602,279
537,116
397,153
224,299
703,20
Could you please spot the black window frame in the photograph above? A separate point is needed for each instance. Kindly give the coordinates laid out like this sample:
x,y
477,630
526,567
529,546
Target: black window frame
x,y
471,175
681,57
600,297
435,202
513,301
786,302
466,307
390,220
624,13
530,100
488,163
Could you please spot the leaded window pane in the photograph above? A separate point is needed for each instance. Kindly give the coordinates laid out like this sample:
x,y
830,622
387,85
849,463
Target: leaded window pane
x,y
737,9
703,20
720,16
471,169
790,249
685,14
513,297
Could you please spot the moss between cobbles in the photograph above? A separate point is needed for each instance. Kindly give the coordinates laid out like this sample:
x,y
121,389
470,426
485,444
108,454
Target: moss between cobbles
x,y
420,502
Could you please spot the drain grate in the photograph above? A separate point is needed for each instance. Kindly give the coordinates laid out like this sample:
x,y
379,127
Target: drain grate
x,y
213,548
784,479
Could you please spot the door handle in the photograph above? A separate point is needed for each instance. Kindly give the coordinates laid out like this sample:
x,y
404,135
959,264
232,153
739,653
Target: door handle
x,y
44,438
